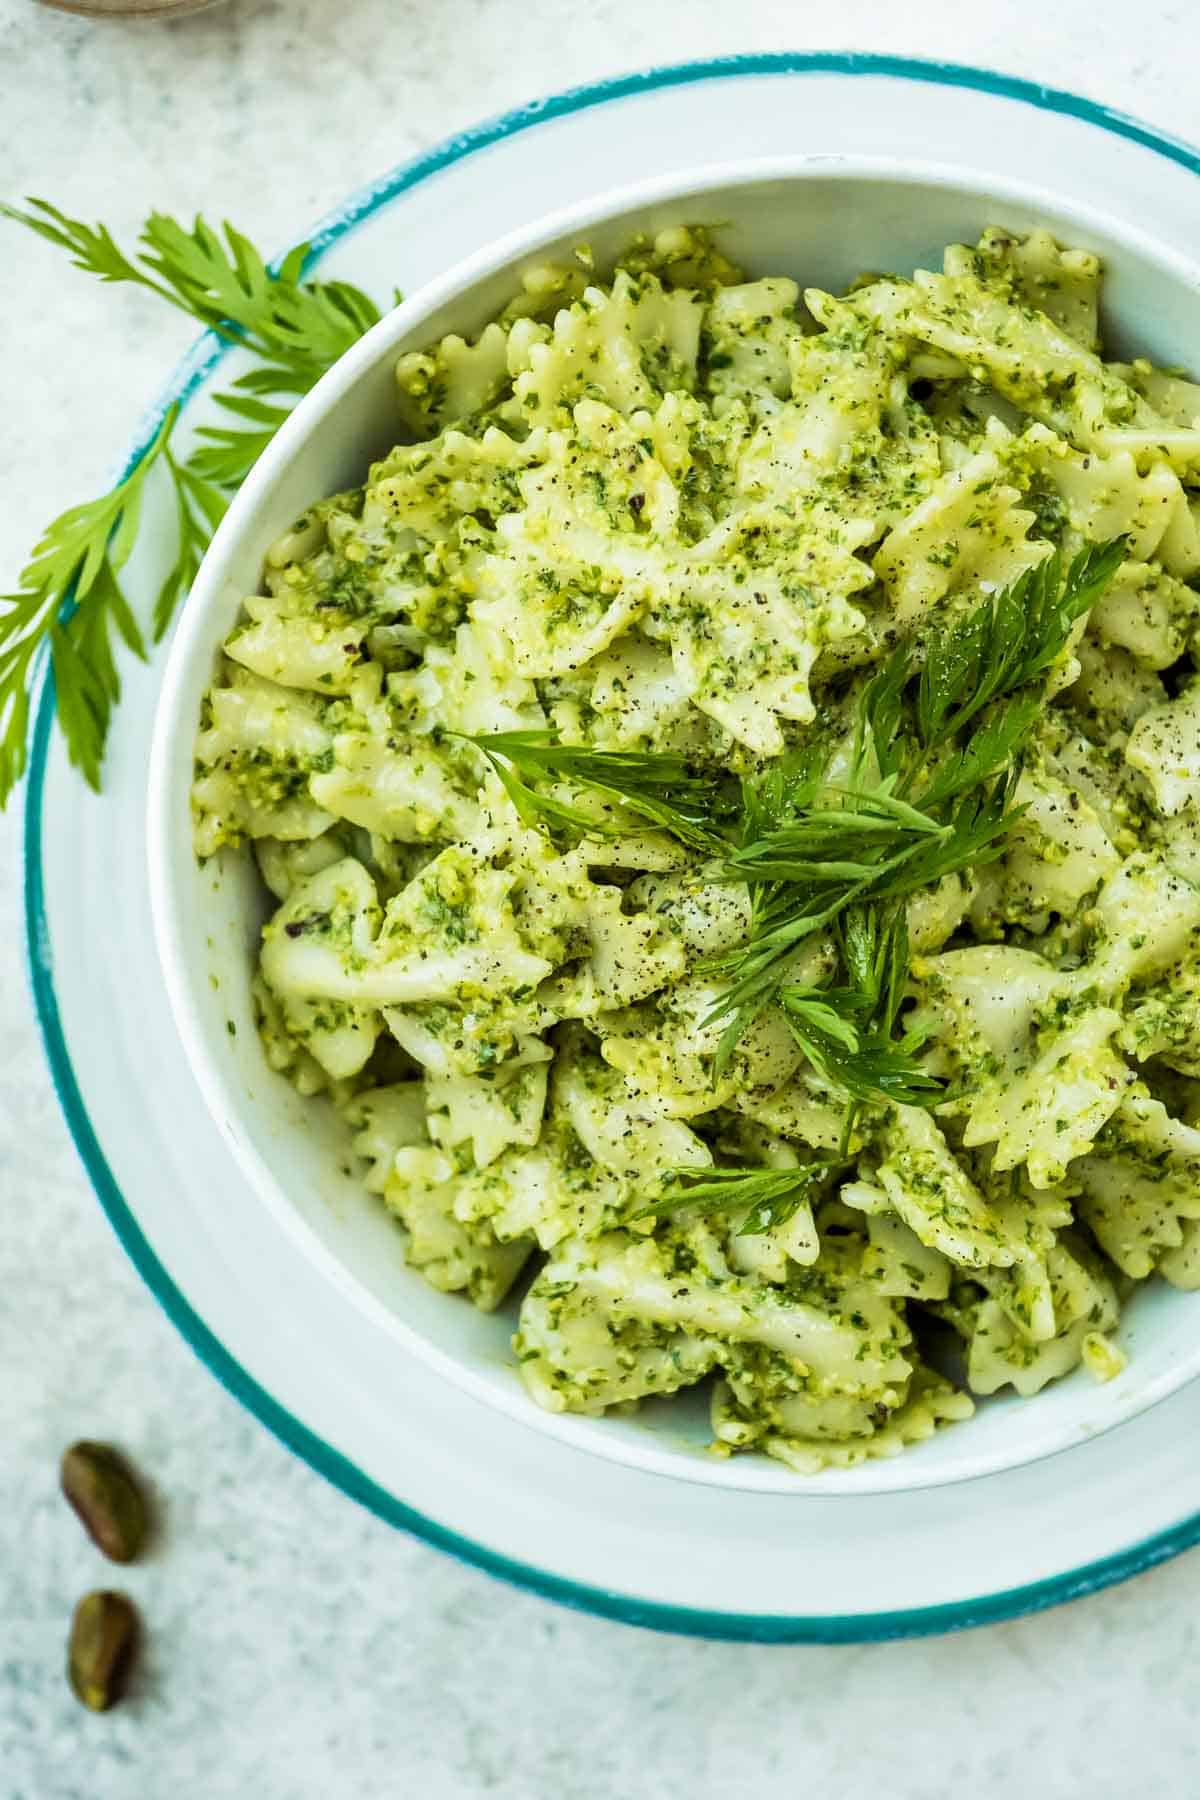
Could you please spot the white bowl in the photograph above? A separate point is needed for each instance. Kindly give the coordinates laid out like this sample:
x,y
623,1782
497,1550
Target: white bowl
x,y
822,220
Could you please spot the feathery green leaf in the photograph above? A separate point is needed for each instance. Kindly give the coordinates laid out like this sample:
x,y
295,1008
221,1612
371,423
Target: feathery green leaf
x,y
70,597
664,790
771,1196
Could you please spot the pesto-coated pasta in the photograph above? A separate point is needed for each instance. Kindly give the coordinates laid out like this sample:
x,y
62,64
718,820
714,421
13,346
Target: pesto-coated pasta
x,y
673,513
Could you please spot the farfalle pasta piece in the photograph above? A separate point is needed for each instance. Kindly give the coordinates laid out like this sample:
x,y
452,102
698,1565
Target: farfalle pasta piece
x,y
1139,1184
1148,612
686,1311
624,346
970,529
928,1188
403,788
422,1191
493,1110
258,745
1036,271
1164,746
1000,1355
324,656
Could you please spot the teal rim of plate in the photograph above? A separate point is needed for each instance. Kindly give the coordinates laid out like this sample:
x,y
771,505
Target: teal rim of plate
x,y
767,1628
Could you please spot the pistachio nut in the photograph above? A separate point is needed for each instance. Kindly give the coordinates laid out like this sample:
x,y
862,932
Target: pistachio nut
x,y
104,1634
101,1488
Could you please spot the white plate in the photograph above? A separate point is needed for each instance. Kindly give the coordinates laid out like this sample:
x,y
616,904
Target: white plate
x,y
326,1378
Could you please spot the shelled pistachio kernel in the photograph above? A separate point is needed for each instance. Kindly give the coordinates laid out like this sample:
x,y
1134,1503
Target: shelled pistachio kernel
x,y
104,1633
101,1488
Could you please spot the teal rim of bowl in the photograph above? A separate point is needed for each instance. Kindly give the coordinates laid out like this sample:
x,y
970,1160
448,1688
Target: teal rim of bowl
x,y
768,1628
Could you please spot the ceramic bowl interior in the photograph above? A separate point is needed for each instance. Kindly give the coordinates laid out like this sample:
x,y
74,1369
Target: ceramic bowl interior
x,y
821,221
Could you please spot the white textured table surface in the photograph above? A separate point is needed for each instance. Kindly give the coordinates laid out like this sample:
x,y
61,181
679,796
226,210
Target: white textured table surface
x,y
298,1647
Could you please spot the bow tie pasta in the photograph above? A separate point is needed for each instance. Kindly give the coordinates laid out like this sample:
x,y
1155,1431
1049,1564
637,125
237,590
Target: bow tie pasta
x,y
673,517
